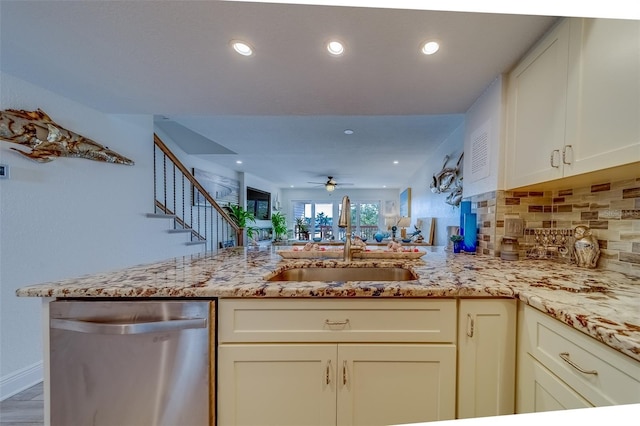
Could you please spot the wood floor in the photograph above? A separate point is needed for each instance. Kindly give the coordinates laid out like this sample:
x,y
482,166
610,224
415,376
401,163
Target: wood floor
x,y
24,409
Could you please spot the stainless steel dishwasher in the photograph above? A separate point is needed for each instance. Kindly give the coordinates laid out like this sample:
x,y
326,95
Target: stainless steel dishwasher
x,y
123,363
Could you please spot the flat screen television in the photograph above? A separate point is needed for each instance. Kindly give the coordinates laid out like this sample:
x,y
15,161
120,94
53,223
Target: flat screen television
x,y
259,203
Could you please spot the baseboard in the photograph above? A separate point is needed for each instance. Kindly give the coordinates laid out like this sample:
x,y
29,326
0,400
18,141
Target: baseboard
x,y
20,380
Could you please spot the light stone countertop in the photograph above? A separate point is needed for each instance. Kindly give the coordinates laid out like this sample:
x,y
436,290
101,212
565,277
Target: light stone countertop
x,y
602,304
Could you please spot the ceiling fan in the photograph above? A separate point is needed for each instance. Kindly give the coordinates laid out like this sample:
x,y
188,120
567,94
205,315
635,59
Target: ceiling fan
x,y
330,185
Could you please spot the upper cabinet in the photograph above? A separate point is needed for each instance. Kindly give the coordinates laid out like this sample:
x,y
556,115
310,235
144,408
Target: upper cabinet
x,y
573,103
603,93
536,105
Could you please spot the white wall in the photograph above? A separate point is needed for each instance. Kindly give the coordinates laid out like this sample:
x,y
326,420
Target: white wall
x,y
71,216
425,203
486,114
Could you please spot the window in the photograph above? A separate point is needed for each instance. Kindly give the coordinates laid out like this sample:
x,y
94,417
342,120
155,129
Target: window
x,y
368,219
322,218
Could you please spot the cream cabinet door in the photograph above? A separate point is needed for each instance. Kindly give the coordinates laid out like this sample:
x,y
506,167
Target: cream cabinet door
x,y
486,357
603,99
280,384
382,384
536,112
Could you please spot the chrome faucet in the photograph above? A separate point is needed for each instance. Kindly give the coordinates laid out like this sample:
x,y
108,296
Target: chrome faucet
x,y
345,222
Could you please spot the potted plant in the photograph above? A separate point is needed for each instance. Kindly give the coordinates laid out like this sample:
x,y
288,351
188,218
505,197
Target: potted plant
x,y
279,223
457,242
241,218
251,230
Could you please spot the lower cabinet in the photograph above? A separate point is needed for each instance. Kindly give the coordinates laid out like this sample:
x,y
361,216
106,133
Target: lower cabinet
x,y
336,362
560,367
343,384
364,361
486,357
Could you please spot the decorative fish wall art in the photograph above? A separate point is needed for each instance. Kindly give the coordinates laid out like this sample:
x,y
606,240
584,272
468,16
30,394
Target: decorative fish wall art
x,y
47,139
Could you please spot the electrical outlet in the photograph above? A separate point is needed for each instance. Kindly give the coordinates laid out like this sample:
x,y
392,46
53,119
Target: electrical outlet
x,y
4,171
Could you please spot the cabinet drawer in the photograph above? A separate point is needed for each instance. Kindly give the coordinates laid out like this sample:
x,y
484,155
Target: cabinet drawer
x,y
608,377
337,320
548,393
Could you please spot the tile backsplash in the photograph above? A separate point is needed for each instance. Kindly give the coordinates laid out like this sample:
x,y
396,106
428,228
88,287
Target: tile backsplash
x,y
610,209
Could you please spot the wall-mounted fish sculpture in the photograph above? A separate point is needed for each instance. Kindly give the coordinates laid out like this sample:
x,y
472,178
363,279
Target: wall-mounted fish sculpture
x,y
47,139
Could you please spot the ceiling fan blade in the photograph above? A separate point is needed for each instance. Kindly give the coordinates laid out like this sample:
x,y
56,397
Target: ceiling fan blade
x,y
331,182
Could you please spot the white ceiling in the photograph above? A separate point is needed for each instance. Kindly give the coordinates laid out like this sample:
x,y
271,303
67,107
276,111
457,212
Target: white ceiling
x,y
282,111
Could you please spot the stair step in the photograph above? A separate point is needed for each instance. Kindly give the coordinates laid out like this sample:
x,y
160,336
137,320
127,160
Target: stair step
x,y
161,216
179,231
196,242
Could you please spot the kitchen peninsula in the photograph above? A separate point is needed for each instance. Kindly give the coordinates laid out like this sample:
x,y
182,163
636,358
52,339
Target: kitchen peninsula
x,y
602,304
597,303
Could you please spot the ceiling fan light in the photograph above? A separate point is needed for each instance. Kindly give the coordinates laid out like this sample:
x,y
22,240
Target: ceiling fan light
x,y
330,187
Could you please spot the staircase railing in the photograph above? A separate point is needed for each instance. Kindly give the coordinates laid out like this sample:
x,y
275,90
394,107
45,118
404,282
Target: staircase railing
x,y
179,195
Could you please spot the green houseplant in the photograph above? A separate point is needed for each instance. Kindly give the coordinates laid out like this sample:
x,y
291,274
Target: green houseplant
x,y
242,218
279,223
457,242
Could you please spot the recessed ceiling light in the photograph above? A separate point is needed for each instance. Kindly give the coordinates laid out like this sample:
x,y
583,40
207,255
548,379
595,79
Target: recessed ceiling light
x,y
395,161
238,162
242,47
335,48
430,47
348,132
291,186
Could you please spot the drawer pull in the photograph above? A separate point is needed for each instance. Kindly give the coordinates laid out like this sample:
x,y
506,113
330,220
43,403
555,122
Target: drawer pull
x,y
552,159
564,154
469,325
336,323
328,373
565,358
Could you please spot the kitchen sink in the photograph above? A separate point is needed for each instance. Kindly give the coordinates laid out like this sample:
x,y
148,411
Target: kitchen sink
x,y
345,274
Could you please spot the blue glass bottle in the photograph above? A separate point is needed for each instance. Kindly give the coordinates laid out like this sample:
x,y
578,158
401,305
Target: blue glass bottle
x,y
465,208
470,232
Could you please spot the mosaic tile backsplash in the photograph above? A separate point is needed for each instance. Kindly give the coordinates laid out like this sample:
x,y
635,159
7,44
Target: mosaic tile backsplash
x,y
610,209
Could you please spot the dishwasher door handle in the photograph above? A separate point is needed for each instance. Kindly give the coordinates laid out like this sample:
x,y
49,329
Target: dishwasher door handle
x,y
94,327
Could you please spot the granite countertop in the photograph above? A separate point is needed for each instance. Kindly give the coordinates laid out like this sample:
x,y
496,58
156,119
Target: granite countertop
x,y
341,243
602,304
